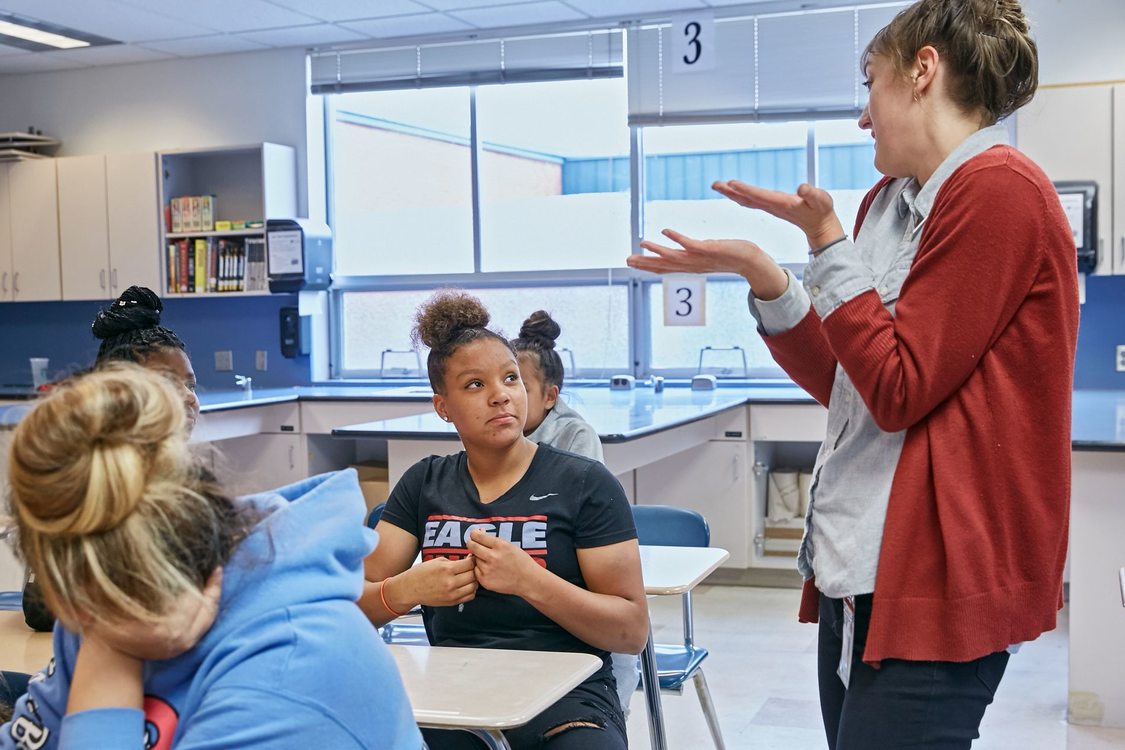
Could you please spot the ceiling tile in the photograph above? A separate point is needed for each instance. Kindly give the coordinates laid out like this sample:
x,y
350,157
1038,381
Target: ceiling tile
x,y
418,25
344,10
224,15
634,8
116,20
517,15
112,54
304,36
39,62
197,46
462,4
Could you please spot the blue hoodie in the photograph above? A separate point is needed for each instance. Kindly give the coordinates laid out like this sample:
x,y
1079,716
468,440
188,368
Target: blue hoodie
x,y
290,662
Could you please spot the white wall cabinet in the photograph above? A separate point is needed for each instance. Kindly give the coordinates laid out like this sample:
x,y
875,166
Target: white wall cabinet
x,y
29,232
712,479
260,462
108,232
1078,133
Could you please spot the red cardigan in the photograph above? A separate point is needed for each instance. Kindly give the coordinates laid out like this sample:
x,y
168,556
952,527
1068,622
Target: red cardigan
x,y
977,365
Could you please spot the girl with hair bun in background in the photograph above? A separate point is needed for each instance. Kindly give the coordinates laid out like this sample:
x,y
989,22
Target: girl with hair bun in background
x,y
187,618
523,546
941,338
552,421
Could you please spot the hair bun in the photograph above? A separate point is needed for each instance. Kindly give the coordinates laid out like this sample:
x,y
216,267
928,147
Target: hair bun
x,y
84,458
138,307
541,328
447,313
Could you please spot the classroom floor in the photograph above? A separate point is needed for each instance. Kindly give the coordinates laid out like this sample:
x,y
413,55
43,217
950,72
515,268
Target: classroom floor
x,y
762,674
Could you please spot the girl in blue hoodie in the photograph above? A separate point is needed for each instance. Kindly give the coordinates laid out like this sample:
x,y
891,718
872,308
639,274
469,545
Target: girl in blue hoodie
x,y
187,619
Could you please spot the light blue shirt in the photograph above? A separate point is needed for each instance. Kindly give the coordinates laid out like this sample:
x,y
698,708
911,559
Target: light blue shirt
x,y
856,462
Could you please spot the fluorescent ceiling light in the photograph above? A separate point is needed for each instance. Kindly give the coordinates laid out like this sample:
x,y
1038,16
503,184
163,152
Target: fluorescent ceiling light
x,y
30,34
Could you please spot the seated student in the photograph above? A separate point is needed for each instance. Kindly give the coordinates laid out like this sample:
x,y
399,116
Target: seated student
x,y
188,619
552,421
493,574
130,331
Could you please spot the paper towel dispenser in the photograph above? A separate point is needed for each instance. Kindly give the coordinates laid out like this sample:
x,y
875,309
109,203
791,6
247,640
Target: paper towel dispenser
x,y
298,255
1080,204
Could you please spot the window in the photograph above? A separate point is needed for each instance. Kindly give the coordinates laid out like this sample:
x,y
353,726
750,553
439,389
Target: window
x,y
401,182
554,175
376,326
845,165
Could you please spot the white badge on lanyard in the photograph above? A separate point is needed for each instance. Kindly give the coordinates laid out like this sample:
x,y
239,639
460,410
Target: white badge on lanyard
x,y
845,667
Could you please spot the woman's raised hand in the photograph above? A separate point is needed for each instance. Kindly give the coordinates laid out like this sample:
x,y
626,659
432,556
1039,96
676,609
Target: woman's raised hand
x,y
809,209
766,278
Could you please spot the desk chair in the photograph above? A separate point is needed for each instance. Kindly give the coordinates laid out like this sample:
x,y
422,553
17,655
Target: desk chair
x,y
405,633
668,526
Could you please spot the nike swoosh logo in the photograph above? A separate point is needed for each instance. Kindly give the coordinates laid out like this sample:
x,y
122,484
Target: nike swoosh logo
x,y
537,498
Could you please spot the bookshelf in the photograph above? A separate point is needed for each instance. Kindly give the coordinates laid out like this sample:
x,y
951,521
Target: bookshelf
x,y
246,184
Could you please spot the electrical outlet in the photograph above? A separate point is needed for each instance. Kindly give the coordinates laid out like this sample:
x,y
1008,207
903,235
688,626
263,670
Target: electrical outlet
x,y
224,361
260,359
1121,357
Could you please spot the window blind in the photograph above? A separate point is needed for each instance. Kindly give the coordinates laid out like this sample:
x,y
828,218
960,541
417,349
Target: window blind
x,y
785,66
585,54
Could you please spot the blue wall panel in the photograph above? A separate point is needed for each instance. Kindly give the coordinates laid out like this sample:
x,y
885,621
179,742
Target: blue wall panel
x,y
61,331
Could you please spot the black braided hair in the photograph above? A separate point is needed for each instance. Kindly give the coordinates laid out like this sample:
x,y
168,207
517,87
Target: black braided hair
x,y
130,328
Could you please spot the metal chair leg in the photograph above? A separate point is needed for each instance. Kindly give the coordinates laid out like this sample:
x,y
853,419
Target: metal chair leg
x,y
708,708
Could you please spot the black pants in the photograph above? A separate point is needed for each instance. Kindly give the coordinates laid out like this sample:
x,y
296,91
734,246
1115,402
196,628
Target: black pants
x,y
920,705
593,702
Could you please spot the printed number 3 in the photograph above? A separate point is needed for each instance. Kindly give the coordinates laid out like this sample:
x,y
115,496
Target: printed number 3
x,y
684,308
695,47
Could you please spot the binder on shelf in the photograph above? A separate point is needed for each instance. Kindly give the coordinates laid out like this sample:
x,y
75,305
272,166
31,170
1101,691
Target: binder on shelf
x,y
298,255
206,213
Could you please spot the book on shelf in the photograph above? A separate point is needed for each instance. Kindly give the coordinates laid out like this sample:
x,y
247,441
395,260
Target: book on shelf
x,y
206,213
177,214
182,264
195,224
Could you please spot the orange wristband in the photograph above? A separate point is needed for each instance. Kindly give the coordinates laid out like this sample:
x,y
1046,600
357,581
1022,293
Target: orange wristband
x,y
383,599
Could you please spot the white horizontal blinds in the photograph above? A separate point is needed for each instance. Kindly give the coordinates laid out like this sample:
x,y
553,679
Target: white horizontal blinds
x,y
791,66
592,54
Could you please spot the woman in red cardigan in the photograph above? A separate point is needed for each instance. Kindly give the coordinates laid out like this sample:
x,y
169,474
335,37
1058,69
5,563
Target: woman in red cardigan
x,y
941,339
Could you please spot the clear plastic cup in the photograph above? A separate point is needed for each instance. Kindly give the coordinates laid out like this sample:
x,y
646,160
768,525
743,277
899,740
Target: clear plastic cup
x,y
39,371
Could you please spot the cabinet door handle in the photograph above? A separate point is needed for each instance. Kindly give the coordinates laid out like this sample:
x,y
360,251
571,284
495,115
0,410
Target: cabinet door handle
x,y
16,283
4,285
113,278
292,458
1120,266
101,278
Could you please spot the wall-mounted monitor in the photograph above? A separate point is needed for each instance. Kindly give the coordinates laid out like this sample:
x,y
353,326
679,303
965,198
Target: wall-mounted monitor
x,y
1080,204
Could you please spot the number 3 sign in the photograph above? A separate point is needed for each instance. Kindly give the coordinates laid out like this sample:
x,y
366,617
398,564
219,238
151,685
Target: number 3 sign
x,y
685,299
692,42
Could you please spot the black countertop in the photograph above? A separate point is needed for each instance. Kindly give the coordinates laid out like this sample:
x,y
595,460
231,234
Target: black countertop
x,y
1098,419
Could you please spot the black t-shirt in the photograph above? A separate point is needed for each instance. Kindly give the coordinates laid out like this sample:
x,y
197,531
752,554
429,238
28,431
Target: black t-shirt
x,y
563,503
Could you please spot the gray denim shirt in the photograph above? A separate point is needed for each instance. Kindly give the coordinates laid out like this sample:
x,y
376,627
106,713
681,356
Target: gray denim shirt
x,y
856,462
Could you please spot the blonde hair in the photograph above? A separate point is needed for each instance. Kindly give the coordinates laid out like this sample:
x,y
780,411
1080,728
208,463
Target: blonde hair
x,y
987,45
115,515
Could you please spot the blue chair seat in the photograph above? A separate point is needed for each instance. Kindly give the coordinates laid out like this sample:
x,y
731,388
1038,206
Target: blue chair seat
x,y
676,663
11,600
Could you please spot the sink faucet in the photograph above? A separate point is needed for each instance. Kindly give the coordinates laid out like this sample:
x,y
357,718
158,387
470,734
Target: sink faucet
x,y
245,381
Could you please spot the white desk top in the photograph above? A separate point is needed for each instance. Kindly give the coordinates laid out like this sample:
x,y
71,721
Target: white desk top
x,y
675,570
486,688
